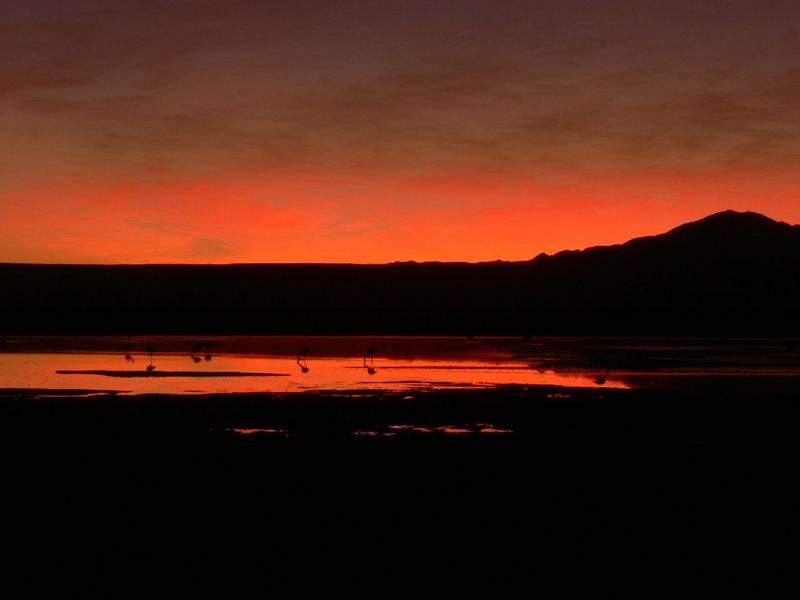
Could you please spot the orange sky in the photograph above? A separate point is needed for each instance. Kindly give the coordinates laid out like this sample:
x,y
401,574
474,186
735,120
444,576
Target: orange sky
x,y
373,131
369,217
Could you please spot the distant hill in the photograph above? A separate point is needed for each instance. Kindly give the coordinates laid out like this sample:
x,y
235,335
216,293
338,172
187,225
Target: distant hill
x,y
730,262
728,274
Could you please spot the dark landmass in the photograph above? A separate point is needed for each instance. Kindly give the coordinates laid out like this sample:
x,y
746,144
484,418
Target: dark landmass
x,y
591,488
156,373
717,410
728,274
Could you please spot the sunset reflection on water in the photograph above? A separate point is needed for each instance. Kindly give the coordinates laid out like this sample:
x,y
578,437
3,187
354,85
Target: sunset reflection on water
x,y
38,370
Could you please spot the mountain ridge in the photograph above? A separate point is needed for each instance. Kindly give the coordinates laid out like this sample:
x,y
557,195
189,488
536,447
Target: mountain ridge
x,y
719,224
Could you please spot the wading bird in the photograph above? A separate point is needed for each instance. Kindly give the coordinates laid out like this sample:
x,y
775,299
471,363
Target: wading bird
x,y
370,353
301,361
150,350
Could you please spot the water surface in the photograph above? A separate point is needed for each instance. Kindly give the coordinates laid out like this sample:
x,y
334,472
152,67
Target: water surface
x,y
220,364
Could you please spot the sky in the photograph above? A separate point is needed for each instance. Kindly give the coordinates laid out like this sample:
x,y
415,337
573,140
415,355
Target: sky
x,y
219,131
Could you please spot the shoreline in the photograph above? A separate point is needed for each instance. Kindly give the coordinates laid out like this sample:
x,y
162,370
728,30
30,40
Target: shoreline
x,y
709,410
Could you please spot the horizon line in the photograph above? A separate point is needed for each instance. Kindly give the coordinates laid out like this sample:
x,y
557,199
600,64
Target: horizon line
x,y
394,262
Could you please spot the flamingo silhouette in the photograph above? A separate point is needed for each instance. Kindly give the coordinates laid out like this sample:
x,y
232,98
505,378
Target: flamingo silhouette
x,y
301,361
370,353
150,350
194,353
207,344
128,355
602,378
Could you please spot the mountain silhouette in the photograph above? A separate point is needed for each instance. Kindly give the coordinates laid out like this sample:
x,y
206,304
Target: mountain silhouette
x,y
731,273
729,262
727,233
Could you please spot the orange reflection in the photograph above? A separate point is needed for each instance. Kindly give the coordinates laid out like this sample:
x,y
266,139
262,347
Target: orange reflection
x,y
39,370
259,430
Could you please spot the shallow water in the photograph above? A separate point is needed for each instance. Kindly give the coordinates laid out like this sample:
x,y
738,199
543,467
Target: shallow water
x,y
275,364
38,370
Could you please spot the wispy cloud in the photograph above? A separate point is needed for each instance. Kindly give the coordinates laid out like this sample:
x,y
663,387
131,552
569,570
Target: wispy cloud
x,y
188,87
196,248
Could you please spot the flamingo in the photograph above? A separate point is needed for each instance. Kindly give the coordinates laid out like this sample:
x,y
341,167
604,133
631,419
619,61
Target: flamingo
x,y
602,378
371,354
150,350
301,361
194,353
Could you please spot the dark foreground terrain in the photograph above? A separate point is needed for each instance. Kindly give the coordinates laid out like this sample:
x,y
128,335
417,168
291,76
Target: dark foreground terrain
x,y
624,492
